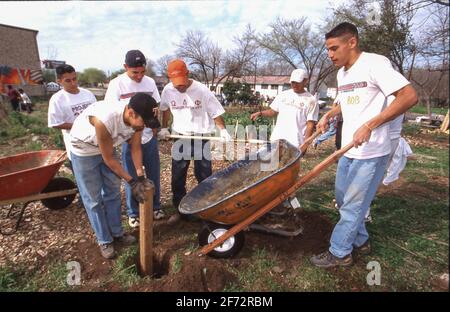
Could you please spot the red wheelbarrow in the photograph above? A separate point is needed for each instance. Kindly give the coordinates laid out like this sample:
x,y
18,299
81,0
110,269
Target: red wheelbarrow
x,y
28,177
232,199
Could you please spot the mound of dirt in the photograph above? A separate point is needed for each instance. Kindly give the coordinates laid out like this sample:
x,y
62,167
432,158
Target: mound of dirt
x,y
199,274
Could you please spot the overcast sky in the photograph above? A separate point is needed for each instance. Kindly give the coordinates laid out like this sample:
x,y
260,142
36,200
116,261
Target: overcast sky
x,y
98,33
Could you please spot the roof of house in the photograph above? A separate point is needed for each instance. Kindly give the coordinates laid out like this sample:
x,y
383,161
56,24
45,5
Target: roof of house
x,y
16,27
272,80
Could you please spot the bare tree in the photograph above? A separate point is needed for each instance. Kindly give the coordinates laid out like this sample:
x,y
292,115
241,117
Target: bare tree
x,y
202,55
150,68
434,53
242,59
52,52
208,63
161,64
297,44
387,31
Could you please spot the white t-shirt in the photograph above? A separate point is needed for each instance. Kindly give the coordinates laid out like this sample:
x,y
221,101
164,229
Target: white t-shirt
x,y
25,98
396,125
362,93
194,110
83,137
294,111
123,88
64,107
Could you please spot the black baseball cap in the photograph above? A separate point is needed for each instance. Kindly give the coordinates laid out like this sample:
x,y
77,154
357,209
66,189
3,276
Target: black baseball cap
x,y
135,58
143,104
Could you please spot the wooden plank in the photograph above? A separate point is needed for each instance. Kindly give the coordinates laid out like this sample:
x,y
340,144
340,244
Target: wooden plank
x,y
444,126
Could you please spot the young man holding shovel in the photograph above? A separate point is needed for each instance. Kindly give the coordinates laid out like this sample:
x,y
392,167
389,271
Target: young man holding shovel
x,y
365,80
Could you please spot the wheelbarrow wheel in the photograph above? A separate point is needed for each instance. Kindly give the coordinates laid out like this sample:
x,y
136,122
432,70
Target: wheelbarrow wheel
x,y
59,184
229,248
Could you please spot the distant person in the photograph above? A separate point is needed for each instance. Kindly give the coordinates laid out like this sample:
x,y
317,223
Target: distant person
x,y
14,98
296,109
364,81
196,111
94,135
122,88
26,101
66,104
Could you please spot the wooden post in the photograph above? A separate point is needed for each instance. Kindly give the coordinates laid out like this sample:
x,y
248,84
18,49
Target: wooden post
x,y
146,234
444,125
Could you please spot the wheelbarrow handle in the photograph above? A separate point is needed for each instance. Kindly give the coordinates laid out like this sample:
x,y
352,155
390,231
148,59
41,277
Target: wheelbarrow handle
x,y
60,157
277,200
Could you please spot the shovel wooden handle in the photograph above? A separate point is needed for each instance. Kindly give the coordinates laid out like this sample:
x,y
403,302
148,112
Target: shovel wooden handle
x,y
278,200
309,140
198,137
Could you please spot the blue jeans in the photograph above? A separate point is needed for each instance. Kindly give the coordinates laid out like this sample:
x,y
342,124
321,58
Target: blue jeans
x,y
201,152
357,181
150,155
328,134
99,189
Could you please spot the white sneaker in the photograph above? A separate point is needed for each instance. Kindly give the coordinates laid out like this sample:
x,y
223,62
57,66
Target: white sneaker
x,y
158,214
133,222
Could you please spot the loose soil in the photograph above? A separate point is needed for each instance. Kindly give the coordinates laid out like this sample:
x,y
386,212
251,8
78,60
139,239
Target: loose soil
x,y
46,236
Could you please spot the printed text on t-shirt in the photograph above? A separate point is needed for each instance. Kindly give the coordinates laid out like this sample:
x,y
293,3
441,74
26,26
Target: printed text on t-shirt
x,y
198,104
352,86
79,108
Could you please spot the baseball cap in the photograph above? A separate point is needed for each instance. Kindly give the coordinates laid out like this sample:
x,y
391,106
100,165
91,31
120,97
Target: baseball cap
x,y
143,104
298,75
135,58
177,72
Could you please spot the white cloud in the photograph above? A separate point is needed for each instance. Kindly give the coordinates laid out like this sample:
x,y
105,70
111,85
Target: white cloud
x,y
98,34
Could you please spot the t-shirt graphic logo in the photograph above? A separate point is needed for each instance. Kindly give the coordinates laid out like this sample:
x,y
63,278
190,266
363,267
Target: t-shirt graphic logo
x,y
352,86
198,102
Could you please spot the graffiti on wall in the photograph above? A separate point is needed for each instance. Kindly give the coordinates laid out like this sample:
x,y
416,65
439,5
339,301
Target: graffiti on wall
x,y
19,76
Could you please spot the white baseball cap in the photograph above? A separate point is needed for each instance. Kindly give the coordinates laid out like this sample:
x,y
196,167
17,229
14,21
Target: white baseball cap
x,y
298,75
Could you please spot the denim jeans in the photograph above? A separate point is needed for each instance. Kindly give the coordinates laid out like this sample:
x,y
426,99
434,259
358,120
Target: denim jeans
x,y
357,181
150,155
187,149
99,189
328,134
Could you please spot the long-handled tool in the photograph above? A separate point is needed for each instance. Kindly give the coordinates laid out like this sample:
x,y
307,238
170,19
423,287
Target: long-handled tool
x,y
251,141
211,138
279,199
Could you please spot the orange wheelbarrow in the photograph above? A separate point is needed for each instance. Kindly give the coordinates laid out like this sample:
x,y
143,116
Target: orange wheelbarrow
x,y
232,199
28,177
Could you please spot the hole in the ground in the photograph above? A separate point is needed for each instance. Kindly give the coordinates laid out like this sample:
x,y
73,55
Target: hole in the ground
x,y
160,265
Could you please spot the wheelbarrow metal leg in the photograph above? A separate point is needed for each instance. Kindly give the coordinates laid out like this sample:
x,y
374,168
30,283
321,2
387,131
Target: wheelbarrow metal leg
x,y
11,207
19,218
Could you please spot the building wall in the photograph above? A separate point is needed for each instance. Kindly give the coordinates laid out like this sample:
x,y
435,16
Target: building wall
x,y
19,49
272,90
